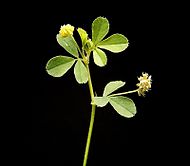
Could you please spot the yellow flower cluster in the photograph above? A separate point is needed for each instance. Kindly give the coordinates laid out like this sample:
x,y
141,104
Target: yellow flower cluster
x,y
145,84
66,30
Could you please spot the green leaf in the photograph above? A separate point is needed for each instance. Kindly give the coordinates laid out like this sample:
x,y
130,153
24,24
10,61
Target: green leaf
x,y
115,43
59,65
69,44
100,28
112,86
83,35
101,101
80,72
99,57
123,105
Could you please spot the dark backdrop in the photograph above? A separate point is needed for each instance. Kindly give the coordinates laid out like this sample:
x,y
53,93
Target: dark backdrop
x,y
56,111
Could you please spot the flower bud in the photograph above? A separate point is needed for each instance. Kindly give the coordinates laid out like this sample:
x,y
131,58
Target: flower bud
x,y
66,30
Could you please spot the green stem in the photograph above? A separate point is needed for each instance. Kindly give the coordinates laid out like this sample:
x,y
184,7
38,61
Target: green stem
x,y
124,93
90,84
91,119
89,135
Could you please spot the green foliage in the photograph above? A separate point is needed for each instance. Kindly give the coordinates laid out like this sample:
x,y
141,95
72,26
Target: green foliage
x,y
123,105
83,35
69,44
80,72
100,28
99,57
115,43
112,86
59,65
101,101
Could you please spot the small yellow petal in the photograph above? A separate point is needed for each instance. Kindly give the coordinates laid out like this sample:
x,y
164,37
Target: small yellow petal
x,y
66,30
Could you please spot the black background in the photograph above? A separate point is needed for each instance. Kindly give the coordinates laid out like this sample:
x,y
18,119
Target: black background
x,y
55,112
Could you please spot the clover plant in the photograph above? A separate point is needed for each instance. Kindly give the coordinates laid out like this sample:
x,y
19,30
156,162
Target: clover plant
x,y
78,56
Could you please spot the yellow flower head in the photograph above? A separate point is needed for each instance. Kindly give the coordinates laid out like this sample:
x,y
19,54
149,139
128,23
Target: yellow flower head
x,y
145,84
66,30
